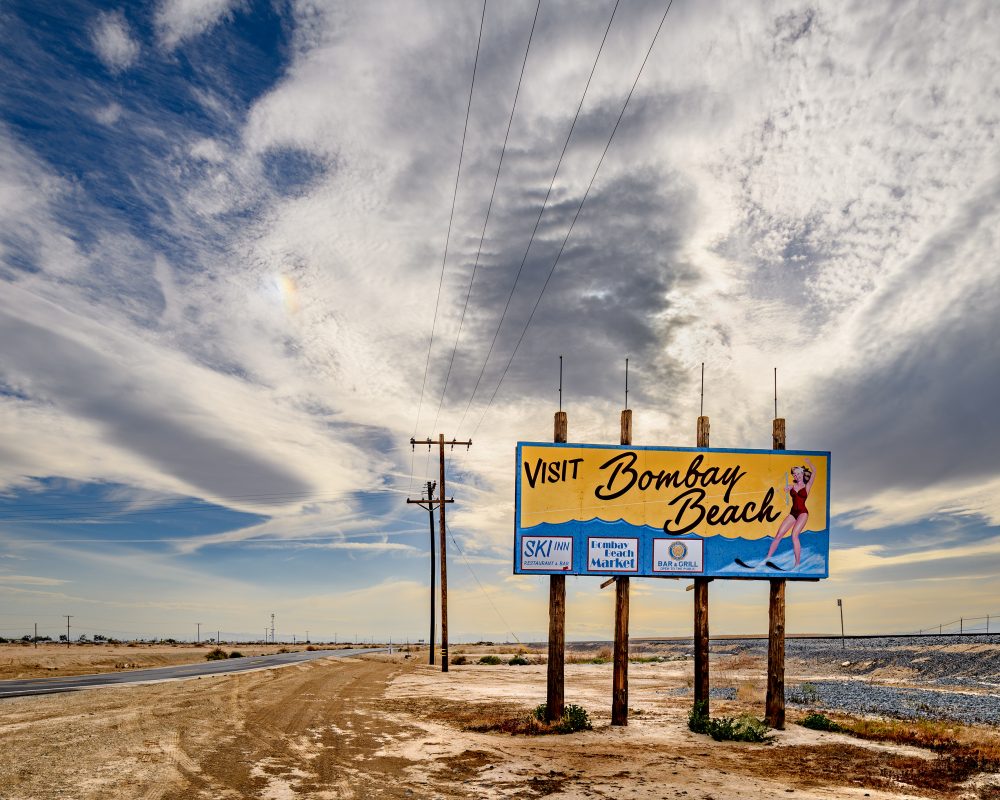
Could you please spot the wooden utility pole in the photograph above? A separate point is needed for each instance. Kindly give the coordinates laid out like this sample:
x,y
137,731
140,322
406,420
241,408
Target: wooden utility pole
x,y
701,646
619,680
444,548
555,692
774,714
430,502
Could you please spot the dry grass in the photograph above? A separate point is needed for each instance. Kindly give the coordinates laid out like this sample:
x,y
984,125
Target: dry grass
x,y
962,751
751,691
742,661
510,718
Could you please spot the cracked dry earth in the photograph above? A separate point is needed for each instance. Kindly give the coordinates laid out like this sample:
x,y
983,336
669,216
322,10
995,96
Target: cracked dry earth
x,y
353,728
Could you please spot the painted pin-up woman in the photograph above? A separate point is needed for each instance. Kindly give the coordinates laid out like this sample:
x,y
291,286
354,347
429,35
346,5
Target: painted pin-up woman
x,y
798,490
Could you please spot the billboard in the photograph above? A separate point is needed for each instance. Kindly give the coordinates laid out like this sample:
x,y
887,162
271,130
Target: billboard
x,y
584,509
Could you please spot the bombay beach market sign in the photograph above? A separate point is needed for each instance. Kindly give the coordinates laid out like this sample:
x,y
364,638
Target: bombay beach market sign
x,y
670,511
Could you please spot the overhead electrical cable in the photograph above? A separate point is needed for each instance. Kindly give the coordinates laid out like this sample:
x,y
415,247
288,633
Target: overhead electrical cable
x,y
486,221
451,218
576,216
483,588
541,211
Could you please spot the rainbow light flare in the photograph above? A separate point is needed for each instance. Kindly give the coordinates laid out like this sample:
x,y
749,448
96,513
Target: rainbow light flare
x,y
289,292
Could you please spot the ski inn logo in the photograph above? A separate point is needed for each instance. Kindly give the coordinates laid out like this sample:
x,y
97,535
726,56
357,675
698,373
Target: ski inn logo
x,y
547,553
584,509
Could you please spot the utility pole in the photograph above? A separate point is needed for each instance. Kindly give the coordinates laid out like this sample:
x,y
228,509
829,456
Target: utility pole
x,y
444,542
197,638
68,618
840,605
430,501
272,627
36,633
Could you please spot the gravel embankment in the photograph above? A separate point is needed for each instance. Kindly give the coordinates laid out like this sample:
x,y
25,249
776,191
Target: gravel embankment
x,y
865,668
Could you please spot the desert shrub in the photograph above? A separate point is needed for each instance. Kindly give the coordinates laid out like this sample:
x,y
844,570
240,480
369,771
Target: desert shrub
x,y
698,719
216,655
312,648
821,722
574,718
236,654
284,650
458,660
491,660
604,655
745,728
518,661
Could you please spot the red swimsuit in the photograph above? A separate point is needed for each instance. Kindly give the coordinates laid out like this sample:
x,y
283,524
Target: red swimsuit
x,y
799,501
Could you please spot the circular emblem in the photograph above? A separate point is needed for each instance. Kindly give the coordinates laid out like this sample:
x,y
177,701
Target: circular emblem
x,y
678,550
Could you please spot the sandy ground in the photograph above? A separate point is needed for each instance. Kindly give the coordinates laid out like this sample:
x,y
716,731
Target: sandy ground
x,y
380,727
52,660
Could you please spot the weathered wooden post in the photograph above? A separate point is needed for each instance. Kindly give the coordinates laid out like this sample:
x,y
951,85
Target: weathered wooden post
x,y
774,713
701,649
619,682
555,687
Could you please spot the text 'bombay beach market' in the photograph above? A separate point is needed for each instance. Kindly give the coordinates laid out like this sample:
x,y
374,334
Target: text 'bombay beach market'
x,y
670,512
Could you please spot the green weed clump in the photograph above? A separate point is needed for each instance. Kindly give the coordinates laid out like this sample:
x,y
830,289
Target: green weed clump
x,y
216,655
821,722
745,728
459,660
518,661
235,654
490,660
574,718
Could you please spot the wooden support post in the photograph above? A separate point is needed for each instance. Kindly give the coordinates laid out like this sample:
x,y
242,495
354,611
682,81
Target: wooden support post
x,y
619,681
555,693
774,714
444,566
701,647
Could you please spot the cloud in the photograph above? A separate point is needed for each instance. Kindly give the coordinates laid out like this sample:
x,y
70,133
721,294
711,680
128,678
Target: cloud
x,y
112,41
233,293
31,580
179,20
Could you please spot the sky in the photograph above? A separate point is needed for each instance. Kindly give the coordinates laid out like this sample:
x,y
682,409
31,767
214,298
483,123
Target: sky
x,y
249,249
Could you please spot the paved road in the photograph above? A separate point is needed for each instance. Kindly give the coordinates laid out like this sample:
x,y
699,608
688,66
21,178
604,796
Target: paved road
x,y
20,688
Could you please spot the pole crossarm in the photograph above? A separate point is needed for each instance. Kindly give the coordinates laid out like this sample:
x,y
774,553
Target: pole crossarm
x,y
429,442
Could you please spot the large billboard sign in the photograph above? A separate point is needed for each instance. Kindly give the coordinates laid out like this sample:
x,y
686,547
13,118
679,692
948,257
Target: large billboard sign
x,y
586,509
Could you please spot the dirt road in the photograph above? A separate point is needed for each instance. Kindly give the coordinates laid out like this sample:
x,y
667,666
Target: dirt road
x,y
352,728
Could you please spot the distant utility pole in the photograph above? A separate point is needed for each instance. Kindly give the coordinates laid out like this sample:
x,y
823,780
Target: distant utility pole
x,y
430,501
197,638
68,618
442,504
843,643
272,627
36,633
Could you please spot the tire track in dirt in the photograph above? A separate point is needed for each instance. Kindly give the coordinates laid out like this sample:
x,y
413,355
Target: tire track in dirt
x,y
311,731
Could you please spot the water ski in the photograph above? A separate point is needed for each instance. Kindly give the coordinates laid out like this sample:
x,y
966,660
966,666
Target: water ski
x,y
772,565
744,564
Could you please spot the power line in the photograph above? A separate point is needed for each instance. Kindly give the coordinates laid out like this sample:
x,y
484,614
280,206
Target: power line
x,y
541,211
486,221
576,216
483,589
451,217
